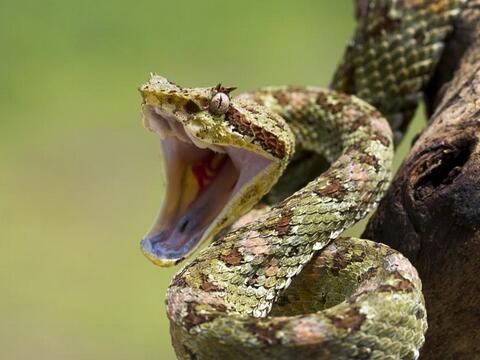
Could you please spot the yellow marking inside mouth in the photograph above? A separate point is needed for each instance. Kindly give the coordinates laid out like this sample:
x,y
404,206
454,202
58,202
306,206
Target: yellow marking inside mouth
x,y
198,176
190,189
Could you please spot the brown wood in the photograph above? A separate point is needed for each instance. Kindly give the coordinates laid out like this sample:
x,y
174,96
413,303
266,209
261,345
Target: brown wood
x,y
431,212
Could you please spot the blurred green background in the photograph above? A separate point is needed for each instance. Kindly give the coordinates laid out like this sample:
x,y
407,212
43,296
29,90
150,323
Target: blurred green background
x,y
80,178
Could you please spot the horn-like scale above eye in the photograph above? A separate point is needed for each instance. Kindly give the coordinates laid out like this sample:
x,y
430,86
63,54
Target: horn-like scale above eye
x,y
219,104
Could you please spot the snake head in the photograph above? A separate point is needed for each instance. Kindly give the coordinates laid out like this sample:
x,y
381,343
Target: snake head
x,y
220,156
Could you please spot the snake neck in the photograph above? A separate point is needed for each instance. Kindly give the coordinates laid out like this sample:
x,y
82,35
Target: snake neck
x,y
247,269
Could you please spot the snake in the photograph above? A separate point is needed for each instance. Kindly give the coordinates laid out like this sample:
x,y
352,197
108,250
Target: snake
x,y
278,281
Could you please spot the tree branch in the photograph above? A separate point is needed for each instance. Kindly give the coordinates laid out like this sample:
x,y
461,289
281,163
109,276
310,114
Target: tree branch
x,y
431,212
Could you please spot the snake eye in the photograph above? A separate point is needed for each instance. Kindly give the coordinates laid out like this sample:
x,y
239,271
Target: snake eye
x,y
219,103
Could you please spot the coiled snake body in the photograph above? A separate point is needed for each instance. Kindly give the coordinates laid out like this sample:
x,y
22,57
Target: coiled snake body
x,y
280,283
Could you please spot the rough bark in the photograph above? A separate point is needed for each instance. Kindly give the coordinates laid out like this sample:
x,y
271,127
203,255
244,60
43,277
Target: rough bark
x,y
431,212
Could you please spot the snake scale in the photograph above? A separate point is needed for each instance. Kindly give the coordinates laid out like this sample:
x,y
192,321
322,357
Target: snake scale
x,y
278,282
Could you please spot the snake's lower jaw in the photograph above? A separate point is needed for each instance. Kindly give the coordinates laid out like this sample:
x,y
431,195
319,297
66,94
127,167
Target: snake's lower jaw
x,y
203,181
147,250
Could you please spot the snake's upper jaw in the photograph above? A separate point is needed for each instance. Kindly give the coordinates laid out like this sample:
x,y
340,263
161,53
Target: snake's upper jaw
x,y
206,189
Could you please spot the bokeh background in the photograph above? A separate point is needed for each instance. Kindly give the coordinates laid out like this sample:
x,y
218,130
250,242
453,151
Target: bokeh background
x,y
80,180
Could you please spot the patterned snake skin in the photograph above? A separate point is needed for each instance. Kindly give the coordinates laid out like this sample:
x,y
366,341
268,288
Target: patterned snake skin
x,y
280,283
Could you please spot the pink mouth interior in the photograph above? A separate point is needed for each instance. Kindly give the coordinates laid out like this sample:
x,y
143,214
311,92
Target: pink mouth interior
x,y
184,218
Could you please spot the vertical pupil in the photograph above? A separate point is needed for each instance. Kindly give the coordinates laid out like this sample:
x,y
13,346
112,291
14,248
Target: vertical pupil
x,y
219,104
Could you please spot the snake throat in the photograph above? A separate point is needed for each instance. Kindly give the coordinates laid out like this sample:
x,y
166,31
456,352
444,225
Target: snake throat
x,y
202,180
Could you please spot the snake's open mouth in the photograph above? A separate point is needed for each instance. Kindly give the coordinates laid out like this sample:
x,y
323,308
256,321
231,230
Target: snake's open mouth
x,y
202,179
